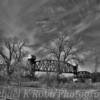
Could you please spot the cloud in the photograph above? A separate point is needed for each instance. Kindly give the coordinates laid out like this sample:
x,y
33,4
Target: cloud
x,y
17,18
12,15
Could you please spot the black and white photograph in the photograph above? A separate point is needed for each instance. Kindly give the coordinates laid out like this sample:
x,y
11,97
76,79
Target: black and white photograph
x,y
49,49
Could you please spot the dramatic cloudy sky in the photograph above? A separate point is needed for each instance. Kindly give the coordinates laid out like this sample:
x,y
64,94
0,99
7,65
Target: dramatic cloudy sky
x,y
19,17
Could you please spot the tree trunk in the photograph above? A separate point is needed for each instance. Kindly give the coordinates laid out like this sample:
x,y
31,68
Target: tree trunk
x,y
8,69
96,65
8,73
58,70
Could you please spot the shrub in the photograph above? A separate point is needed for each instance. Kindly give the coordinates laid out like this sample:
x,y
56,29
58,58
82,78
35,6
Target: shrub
x,y
96,77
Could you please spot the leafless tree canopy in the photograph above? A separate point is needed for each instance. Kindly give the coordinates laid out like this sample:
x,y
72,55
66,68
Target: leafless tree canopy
x,y
66,48
12,51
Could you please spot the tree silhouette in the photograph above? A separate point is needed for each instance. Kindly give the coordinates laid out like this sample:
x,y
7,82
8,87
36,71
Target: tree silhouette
x,y
66,48
12,53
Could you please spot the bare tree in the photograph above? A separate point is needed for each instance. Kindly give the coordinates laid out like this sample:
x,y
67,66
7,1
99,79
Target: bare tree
x,y
72,48
7,44
56,51
65,48
18,50
11,51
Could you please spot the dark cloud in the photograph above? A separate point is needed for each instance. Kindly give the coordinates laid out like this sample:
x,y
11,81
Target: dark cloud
x,y
17,18
45,38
